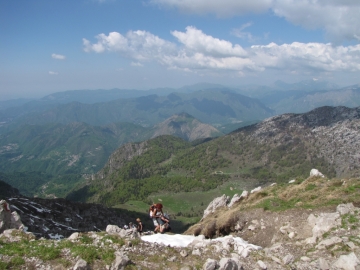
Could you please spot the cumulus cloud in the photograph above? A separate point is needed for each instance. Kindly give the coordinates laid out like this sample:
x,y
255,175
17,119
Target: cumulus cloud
x,y
196,51
196,40
338,18
140,45
58,56
53,73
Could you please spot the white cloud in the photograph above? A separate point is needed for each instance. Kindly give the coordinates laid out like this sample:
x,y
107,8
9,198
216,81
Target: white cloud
x,y
140,45
307,56
58,56
196,40
53,73
338,18
197,51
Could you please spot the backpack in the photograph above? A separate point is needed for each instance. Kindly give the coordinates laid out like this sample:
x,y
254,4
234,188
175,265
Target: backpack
x,y
166,215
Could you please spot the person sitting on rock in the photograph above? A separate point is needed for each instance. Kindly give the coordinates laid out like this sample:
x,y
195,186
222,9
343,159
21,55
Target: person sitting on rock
x,y
165,226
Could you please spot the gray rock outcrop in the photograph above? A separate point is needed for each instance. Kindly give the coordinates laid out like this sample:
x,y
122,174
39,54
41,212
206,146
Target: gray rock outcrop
x,y
216,203
8,219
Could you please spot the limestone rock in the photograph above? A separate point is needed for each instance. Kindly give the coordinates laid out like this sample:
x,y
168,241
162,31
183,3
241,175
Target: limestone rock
x,y
315,172
288,259
237,198
323,223
323,264
210,264
81,265
216,203
183,253
228,264
344,209
261,264
8,219
113,229
347,262
120,262
329,242
255,190
74,236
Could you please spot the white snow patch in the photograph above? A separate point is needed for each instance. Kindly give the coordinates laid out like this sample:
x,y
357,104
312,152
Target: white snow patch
x,y
56,236
13,206
64,226
178,240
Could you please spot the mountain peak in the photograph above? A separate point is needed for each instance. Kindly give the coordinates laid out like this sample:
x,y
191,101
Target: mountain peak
x,y
185,126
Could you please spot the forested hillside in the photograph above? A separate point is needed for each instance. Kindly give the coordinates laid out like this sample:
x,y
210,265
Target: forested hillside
x,y
275,150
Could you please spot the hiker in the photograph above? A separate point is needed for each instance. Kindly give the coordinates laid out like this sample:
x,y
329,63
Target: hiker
x,y
132,225
155,213
152,213
139,226
165,226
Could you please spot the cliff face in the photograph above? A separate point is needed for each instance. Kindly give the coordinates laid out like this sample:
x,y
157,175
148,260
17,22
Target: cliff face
x,y
329,133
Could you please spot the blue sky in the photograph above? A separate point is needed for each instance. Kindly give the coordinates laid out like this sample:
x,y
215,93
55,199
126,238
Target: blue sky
x,y
48,46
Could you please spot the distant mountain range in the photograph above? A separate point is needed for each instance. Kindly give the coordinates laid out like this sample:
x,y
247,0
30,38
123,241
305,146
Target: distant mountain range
x,y
54,142
209,106
59,151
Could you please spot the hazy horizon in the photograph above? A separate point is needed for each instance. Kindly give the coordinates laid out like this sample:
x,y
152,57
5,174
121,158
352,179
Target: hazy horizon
x,y
54,46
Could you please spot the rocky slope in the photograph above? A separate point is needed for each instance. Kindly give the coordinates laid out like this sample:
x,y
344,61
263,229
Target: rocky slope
x,y
331,132
59,218
312,232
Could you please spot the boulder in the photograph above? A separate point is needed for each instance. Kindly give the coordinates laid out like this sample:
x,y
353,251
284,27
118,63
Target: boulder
x,y
261,264
113,229
229,264
345,208
8,219
323,223
237,198
81,265
347,262
216,203
316,173
120,262
255,190
210,264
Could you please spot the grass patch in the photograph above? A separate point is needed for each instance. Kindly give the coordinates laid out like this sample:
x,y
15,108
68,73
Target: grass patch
x,y
16,261
348,219
310,187
276,204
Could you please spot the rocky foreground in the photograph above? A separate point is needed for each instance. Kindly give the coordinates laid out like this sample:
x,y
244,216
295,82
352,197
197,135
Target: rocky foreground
x,y
323,236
